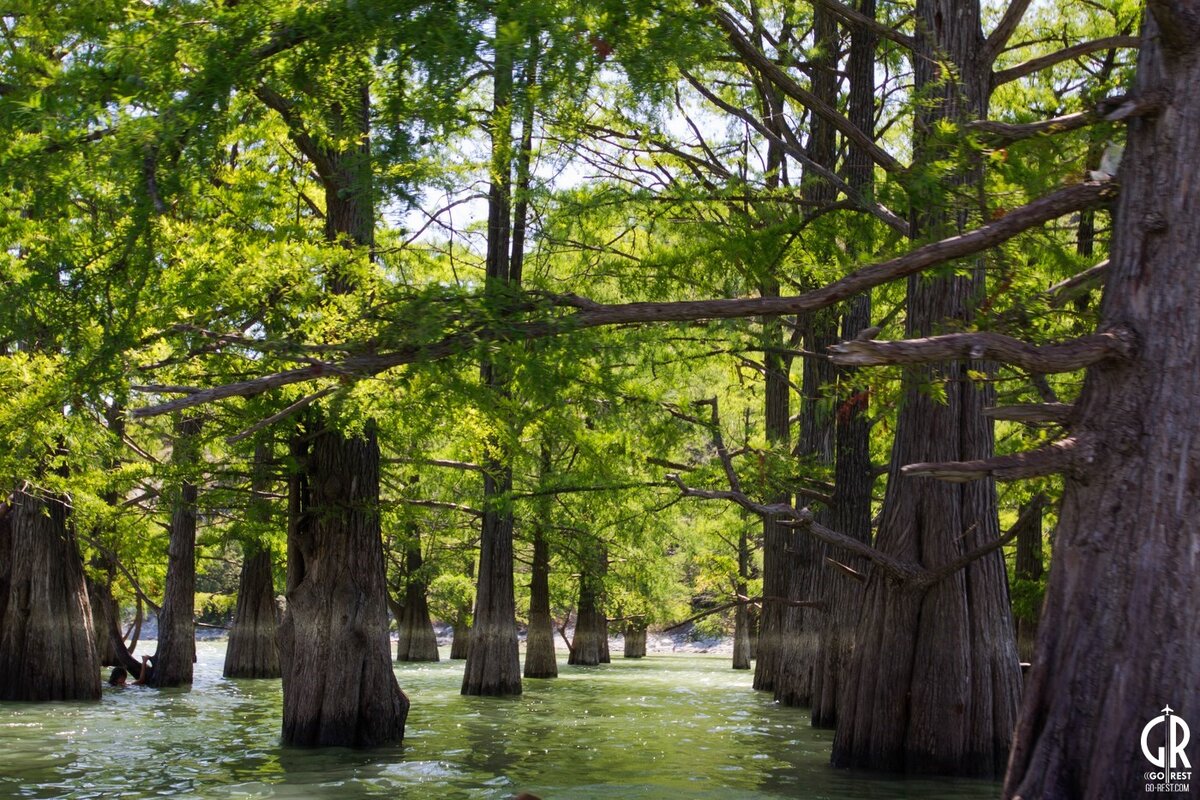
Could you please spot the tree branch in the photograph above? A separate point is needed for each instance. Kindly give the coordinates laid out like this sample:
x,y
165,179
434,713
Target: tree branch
x,y
940,573
1066,54
854,17
1048,358
590,314
1065,291
1054,458
1061,413
1007,26
755,57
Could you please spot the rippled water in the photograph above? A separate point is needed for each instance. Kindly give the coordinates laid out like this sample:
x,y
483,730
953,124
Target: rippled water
x,y
662,727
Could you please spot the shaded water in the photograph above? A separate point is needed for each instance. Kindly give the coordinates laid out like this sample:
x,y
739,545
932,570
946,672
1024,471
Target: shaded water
x,y
662,727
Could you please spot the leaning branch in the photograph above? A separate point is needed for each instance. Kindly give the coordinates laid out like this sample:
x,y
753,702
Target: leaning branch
x,y
786,84
1062,293
854,17
999,38
746,601
965,559
1060,456
1047,358
589,314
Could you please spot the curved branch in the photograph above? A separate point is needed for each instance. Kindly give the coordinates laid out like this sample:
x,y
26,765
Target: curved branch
x,y
1065,291
1054,458
1048,358
1066,54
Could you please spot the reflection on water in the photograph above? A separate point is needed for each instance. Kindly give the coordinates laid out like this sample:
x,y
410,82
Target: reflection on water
x,y
663,727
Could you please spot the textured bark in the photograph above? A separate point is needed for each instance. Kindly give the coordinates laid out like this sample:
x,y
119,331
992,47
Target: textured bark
x,y
589,646
806,581
253,650
417,640
853,478
540,658
1029,567
336,612
775,536
47,647
934,679
338,684
104,611
176,653
635,640
493,664
1120,638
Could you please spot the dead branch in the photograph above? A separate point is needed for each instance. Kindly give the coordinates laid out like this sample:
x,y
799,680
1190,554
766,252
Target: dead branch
x,y
846,570
442,505
1060,413
1054,205
1048,358
1057,457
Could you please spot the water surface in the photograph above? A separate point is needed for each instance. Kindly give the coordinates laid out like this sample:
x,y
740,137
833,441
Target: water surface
x,y
662,727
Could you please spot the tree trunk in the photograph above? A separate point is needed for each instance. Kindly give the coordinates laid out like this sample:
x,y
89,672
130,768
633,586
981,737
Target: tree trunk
x,y
493,664
635,640
176,654
741,617
589,646
1029,568
1120,637
338,684
540,659
460,641
775,536
853,479
104,612
253,650
47,646
934,679
417,642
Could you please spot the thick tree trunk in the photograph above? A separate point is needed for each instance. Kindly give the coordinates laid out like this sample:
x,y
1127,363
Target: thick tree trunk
x,y
934,679
635,640
253,650
417,641
853,479
1120,638
176,654
338,684
1029,567
540,659
589,646
47,646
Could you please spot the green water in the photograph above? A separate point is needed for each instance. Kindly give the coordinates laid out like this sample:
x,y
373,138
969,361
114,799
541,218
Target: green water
x,y
662,727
